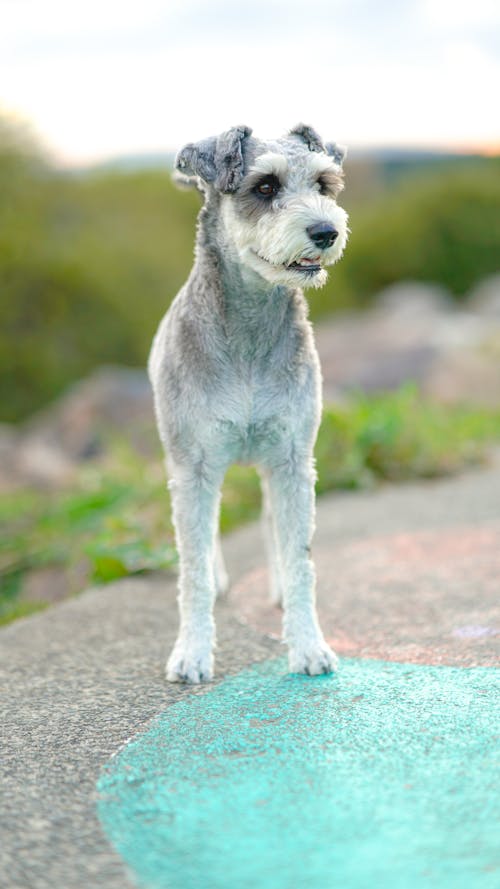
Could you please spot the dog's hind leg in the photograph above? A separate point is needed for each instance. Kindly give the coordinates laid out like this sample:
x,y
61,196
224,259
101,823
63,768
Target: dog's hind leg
x,y
195,493
271,544
220,574
291,489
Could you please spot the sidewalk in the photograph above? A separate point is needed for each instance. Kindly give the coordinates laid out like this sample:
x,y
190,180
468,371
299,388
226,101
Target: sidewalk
x,y
405,574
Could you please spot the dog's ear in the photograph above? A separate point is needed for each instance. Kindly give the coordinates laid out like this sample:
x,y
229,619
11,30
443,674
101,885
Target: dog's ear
x,y
197,160
229,160
312,139
314,142
218,160
337,152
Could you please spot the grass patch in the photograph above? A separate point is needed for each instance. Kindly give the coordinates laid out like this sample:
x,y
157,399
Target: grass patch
x,y
115,521
398,437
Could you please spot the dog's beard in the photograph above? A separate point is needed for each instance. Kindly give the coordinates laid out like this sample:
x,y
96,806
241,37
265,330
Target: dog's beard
x,y
283,273
277,248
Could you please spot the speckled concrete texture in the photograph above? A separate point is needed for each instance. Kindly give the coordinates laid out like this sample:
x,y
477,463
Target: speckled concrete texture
x,y
75,683
406,574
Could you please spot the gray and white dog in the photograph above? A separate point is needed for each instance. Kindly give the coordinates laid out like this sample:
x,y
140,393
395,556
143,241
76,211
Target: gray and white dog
x,y
236,376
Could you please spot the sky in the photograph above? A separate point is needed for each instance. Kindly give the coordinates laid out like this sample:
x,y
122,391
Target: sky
x,y
102,78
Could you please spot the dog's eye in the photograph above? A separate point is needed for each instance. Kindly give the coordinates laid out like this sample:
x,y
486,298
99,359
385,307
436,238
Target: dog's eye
x,y
268,187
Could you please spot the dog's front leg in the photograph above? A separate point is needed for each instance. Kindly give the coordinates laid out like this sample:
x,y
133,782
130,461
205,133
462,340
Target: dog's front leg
x,y
291,491
195,496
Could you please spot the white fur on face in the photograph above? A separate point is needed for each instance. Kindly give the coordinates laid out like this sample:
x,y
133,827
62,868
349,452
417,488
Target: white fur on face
x,y
278,237
271,162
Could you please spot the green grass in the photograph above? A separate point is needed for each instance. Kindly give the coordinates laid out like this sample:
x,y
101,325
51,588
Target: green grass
x,y
115,519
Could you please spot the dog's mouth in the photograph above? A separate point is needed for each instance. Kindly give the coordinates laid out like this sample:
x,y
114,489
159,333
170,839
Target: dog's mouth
x,y
305,265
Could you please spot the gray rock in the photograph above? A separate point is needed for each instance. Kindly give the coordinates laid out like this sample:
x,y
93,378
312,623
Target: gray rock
x,y
485,298
40,462
415,333
47,449
394,342
414,300
50,583
468,375
9,441
111,398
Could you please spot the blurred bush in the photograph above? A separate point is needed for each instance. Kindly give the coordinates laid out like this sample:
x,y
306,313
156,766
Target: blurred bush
x,y
441,226
89,262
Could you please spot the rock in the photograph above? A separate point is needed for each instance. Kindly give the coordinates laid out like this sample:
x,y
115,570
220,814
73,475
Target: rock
x,y
42,463
47,449
395,341
413,333
9,446
485,298
112,398
47,584
468,375
414,301
29,460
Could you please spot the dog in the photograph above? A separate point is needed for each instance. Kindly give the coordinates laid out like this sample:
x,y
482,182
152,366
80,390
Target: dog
x,y
236,376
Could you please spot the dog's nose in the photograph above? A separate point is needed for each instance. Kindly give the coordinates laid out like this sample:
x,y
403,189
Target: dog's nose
x,y
323,234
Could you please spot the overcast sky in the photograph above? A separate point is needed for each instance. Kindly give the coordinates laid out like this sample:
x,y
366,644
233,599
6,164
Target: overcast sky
x,y
100,78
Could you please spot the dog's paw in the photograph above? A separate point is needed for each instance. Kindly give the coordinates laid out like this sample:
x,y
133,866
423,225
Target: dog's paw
x,y
313,659
190,664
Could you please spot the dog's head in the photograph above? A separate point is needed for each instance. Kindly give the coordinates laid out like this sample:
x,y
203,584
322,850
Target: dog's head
x,y
278,200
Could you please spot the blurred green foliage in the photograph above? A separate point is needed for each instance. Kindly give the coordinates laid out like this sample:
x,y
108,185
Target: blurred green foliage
x,y
441,226
115,519
89,262
87,266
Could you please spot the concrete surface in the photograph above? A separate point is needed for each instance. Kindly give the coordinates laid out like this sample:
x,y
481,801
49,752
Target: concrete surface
x,y
406,573
75,683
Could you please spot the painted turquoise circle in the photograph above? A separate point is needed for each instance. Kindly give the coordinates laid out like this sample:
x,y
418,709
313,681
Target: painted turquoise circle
x,y
381,776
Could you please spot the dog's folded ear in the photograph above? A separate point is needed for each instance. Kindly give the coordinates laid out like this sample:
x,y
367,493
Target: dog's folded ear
x,y
229,160
312,139
337,152
218,160
197,160
314,142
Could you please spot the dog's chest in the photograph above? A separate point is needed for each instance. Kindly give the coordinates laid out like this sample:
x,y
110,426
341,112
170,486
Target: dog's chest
x,y
259,402
239,386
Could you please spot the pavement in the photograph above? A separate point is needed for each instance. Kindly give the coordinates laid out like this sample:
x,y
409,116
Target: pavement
x,y
407,575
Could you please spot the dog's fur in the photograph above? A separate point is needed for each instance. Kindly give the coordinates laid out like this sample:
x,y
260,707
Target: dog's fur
x,y
236,376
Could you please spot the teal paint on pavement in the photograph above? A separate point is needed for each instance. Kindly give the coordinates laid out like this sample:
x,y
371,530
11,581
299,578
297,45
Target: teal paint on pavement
x,y
379,777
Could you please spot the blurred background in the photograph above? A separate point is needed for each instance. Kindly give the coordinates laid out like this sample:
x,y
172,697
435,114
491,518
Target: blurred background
x,y
95,241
